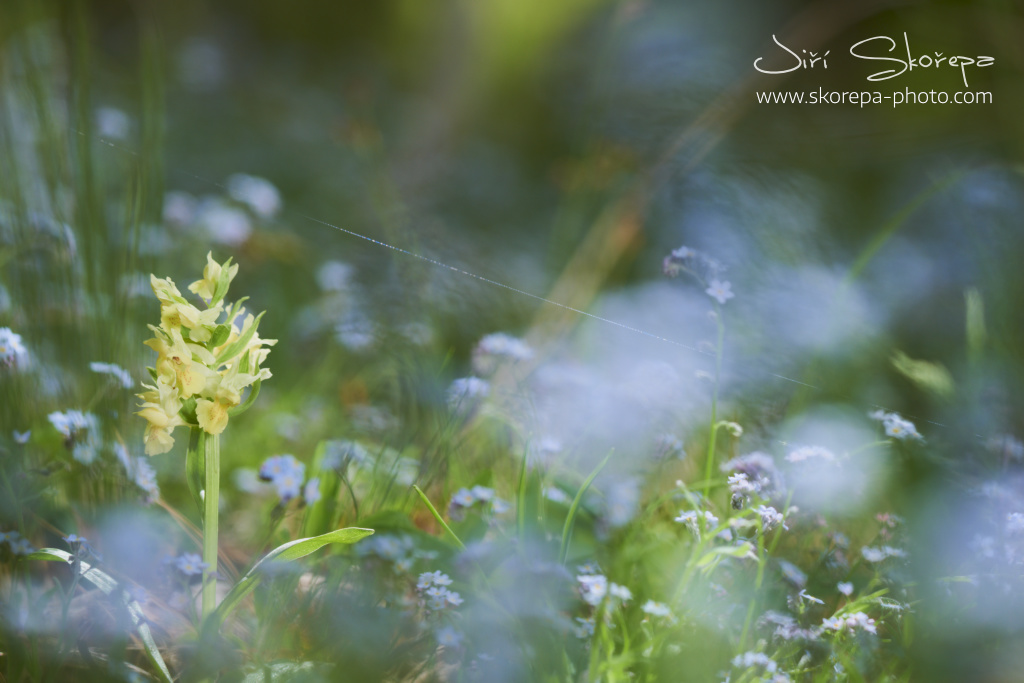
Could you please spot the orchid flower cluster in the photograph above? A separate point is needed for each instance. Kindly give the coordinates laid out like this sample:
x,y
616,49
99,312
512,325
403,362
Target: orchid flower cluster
x,y
204,358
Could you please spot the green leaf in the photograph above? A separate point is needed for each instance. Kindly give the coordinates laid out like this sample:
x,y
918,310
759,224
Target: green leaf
x,y
222,283
152,373
235,308
195,466
239,344
254,391
288,552
976,332
108,585
320,515
742,550
219,336
188,411
278,672
929,376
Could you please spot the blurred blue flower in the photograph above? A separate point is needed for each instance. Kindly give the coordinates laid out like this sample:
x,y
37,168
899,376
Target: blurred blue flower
x,y
285,473
311,492
81,433
190,564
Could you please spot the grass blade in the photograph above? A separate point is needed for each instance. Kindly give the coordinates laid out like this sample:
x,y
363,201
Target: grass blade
x,y
437,516
563,553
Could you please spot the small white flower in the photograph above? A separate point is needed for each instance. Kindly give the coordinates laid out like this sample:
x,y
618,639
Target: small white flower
x,y
11,349
593,588
690,517
733,428
257,193
549,445
720,291
845,587
851,622
501,344
620,592
656,609
355,331
179,209
833,623
770,518
467,390
557,495
1007,446
880,554
901,429
81,433
334,276
687,517
896,426
741,488
448,637
872,554
116,371
809,452
584,628
861,621
748,660
225,224
669,445
622,496
22,437
436,578
112,123
793,573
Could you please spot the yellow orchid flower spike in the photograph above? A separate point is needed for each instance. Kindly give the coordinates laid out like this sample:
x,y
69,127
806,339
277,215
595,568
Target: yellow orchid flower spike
x,y
204,362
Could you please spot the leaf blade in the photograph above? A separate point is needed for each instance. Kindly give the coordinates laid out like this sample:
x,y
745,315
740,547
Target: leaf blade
x,y
109,585
288,552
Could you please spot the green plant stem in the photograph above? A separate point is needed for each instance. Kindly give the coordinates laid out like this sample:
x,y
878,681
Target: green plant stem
x,y
211,502
713,433
521,495
762,560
